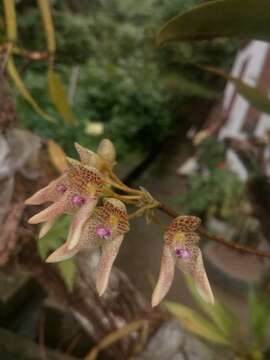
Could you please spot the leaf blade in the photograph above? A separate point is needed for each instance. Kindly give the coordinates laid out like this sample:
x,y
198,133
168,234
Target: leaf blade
x,y
196,323
15,76
251,93
220,18
220,315
59,98
10,16
45,9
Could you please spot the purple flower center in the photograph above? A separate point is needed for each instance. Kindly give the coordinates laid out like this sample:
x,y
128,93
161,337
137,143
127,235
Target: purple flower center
x,y
61,188
182,253
78,200
103,233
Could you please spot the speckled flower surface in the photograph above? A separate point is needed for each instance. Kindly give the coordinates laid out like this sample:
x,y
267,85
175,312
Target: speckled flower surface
x,y
78,192
105,229
181,250
92,194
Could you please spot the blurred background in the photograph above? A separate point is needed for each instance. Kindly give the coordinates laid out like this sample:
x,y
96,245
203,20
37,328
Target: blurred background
x,y
196,137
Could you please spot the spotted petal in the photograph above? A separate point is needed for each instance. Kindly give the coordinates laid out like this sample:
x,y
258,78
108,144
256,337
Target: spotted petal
x,y
109,252
79,221
165,276
61,254
49,193
45,228
181,249
194,266
53,211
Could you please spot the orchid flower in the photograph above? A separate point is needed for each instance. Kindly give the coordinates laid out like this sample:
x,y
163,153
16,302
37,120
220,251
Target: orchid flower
x,y
105,229
181,249
75,192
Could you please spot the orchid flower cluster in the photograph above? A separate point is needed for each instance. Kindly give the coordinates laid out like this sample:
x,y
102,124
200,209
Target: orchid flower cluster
x,y
96,199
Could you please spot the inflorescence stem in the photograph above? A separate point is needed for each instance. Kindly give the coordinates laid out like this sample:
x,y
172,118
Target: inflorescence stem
x,y
139,195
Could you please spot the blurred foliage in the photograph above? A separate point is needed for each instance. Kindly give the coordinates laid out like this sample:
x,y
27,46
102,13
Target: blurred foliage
x,y
53,240
220,326
213,189
123,81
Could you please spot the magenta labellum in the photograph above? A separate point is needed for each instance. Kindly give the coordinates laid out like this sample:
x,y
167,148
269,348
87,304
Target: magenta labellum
x,y
78,200
182,253
103,233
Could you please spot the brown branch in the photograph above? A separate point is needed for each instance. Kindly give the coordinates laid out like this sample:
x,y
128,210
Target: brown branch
x,y
30,55
219,239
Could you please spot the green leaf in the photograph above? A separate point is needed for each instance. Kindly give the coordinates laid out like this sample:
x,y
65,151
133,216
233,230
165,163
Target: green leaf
x,y
187,87
225,320
248,19
259,316
45,9
55,237
251,93
15,76
196,323
67,269
10,17
59,98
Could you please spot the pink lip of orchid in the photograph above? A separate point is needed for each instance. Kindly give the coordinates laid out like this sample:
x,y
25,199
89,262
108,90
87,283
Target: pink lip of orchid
x,y
109,222
181,250
103,232
182,253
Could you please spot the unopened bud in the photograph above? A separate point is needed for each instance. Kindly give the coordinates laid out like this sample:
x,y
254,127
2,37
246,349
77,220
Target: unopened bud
x,y
107,151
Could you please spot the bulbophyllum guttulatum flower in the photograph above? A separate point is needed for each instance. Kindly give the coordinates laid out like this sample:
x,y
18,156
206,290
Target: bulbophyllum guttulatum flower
x,y
181,250
76,191
105,229
87,191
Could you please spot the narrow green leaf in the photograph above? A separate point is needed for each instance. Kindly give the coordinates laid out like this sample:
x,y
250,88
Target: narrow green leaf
x,y
183,86
196,323
15,76
259,306
68,271
225,320
55,237
59,98
251,93
45,9
248,19
10,17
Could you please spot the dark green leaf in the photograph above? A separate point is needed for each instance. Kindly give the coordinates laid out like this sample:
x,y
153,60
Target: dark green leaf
x,y
259,316
248,19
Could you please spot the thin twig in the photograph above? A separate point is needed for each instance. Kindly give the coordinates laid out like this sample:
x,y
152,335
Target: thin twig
x,y
28,54
219,239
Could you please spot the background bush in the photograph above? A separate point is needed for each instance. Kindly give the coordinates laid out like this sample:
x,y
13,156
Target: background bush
x,y
124,82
